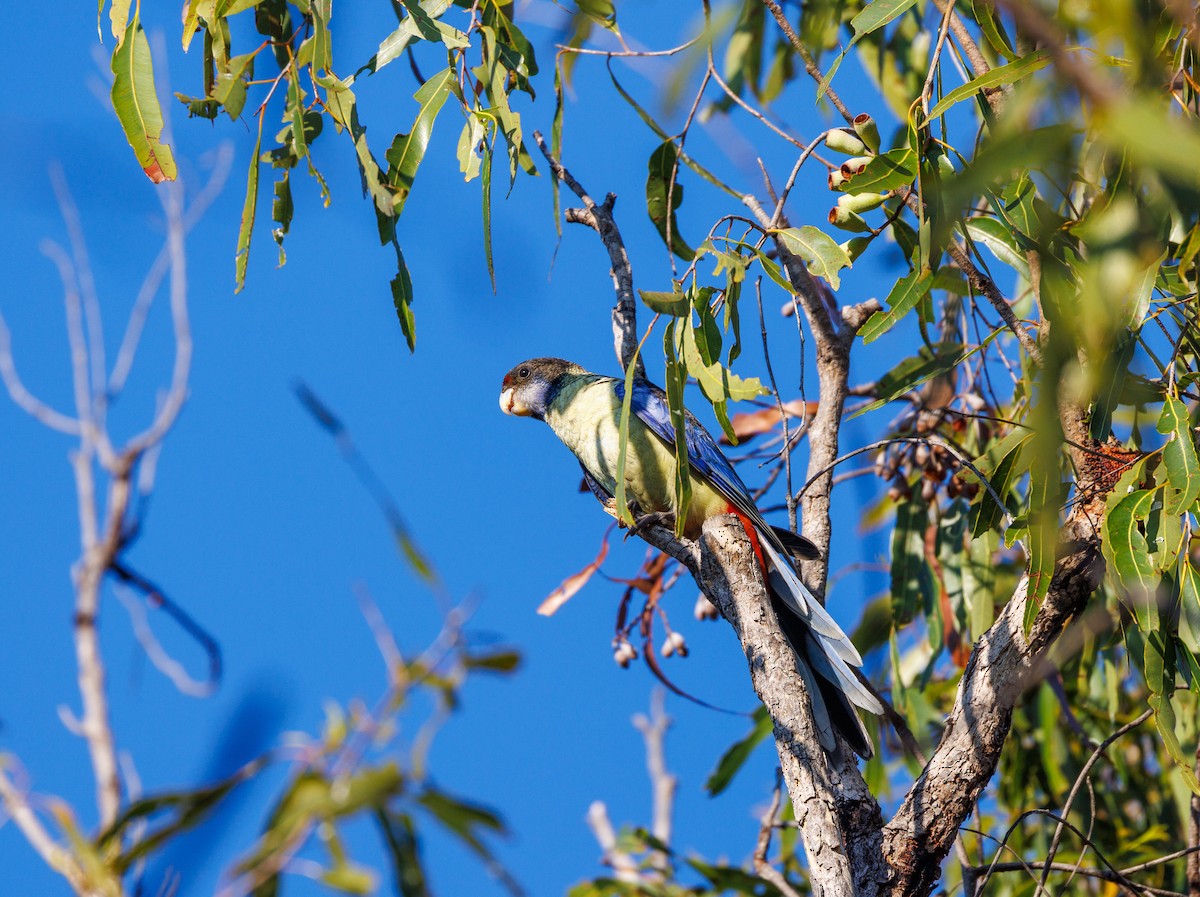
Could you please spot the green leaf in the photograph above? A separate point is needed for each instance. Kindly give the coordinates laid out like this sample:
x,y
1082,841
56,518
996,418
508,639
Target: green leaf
x,y
474,131
986,514
661,183
677,304
997,77
187,809
249,206
402,297
676,380
1189,606
716,381
911,577
823,256
1044,490
997,237
1179,456
405,853
738,753
281,212
908,291
888,171
1126,550
623,437
1160,679
408,150
136,103
870,18
465,819
485,184
342,105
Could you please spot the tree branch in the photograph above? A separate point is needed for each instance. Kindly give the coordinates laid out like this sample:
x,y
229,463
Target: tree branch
x,y
1003,665
600,219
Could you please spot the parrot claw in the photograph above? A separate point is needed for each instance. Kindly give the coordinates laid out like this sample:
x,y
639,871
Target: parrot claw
x,y
658,518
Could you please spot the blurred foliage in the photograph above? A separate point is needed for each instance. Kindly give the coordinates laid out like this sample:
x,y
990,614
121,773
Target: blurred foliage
x,y
1055,148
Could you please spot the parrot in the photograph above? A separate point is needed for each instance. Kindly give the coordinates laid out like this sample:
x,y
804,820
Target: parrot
x,y
584,411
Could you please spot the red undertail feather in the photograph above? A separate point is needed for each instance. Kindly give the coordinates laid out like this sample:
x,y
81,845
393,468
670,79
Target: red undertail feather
x,y
752,535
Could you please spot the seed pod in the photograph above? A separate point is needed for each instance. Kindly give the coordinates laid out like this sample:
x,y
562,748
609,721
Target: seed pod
x,y
847,220
836,179
668,647
862,202
677,642
851,167
867,131
845,141
704,609
855,246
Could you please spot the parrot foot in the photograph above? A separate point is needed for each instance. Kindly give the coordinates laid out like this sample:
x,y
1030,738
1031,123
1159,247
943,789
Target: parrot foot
x,y
658,518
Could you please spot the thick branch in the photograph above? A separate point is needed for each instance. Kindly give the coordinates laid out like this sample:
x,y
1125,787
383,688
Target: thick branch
x,y
1004,664
600,219
730,578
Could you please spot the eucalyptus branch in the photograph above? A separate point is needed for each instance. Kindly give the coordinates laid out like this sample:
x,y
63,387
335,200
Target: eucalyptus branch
x,y
810,64
600,219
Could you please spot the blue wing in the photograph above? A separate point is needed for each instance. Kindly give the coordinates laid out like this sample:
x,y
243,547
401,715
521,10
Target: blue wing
x,y
649,403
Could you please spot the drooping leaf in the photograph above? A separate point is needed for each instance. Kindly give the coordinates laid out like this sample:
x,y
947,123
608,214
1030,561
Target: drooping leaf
x,y
912,579
664,194
1179,456
249,206
676,379
738,753
408,150
135,101
1125,546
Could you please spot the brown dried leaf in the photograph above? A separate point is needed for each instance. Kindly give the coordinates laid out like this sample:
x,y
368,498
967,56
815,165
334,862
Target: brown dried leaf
x,y
574,583
755,423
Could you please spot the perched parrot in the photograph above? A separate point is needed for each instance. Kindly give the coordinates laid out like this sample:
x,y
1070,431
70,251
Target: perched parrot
x,y
584,411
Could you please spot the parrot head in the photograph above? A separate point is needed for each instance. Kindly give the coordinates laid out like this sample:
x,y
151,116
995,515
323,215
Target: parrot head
x,y
528,388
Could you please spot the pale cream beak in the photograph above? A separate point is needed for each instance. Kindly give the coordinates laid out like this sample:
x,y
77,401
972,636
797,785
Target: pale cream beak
x,y
510,405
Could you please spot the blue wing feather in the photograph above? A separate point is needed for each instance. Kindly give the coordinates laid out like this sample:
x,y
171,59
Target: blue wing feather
x,y
649,403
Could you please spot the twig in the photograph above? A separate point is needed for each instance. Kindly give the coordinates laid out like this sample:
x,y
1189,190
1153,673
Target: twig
x,y
810,64
600,219
623,866
51,852
1056,839
1193,863
662,782
762,866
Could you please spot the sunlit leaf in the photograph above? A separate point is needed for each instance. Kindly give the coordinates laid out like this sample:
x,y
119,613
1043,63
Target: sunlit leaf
x,y
824,257
135,101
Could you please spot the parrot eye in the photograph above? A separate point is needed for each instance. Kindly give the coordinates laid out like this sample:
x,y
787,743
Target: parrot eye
x,y
523,373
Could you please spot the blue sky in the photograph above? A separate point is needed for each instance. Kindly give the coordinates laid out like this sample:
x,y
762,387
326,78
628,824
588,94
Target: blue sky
x,y
260,531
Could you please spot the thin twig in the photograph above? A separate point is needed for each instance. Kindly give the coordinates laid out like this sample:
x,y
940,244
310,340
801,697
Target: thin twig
x,y
1079,779
600,219
762,866
810,64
